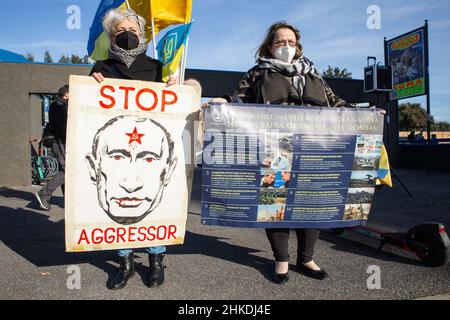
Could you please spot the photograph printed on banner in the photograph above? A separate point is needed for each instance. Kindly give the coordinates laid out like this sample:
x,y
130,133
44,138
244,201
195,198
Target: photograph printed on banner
x,y
272,196
275,179
278,151
363,179
367,152
360,195
271,213
277,162
357,211
359,201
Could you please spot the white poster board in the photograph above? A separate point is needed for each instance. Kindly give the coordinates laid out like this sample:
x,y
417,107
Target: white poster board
x,y
126,183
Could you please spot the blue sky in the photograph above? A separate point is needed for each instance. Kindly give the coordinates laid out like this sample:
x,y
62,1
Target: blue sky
x,y
225,34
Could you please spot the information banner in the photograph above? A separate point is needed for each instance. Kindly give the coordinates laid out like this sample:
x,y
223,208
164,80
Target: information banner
x,y
289,167
126,171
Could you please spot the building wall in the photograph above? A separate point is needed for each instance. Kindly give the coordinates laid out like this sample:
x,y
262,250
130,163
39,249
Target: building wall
x,y
22,83
18,123
419,157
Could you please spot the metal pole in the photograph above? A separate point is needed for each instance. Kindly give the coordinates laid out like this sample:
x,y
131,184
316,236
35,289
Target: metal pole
x,y
155,54
387,98
427,91
183,62
184,57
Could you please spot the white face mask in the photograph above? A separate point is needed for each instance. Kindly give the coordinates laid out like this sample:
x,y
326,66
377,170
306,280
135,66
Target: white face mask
x,y
285,54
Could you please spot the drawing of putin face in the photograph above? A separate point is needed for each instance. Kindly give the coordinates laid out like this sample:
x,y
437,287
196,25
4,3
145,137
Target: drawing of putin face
x,y
131,163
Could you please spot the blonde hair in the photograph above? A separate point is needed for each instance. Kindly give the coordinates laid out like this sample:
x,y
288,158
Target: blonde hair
x,y
115,16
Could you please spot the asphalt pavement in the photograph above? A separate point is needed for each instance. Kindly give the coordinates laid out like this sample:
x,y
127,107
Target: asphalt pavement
x,y
224,263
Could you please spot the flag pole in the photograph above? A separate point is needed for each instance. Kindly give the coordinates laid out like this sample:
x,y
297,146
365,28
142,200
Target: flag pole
x,y
153,27
155,54
184,59
184,62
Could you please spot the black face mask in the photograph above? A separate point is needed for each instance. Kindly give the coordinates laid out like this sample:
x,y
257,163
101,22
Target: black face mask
x,y
127,40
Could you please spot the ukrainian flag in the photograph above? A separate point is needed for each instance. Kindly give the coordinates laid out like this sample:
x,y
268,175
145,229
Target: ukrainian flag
x,y
98,43
163,12
170,49
384,171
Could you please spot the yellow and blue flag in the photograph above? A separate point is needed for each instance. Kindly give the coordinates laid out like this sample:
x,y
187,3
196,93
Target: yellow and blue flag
x,y
170,48
384,170
163,12
98,43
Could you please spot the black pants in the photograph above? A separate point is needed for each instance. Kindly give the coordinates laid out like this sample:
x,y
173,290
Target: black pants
x,y
279,240
58,180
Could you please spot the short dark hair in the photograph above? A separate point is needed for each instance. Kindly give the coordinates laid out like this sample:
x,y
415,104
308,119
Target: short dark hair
x,y
63,90
264,49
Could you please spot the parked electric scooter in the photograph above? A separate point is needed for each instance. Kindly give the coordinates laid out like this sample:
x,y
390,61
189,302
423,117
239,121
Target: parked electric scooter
x,y
428,241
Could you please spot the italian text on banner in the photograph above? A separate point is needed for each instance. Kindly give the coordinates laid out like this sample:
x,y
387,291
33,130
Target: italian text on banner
x,y
268,166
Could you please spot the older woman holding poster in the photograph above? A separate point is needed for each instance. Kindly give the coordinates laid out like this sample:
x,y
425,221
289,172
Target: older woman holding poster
x,y
284,76
128,60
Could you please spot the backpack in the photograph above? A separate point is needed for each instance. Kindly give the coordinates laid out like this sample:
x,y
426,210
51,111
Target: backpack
x,y
47,136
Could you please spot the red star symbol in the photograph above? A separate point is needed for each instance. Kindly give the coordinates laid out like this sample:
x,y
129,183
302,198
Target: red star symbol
x,y
135,136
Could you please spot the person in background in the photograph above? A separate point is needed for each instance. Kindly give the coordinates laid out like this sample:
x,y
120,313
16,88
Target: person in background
x,y
434,139
58,126
420,138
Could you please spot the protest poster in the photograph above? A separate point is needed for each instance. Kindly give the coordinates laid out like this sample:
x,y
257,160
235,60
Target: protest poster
x,y
268,166
407,56
127,171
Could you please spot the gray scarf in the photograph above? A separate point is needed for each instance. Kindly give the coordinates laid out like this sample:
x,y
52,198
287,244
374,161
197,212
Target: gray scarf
x,y
297,70
127,57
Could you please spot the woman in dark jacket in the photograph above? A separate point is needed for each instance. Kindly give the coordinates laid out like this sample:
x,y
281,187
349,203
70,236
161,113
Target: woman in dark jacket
x,y
284,76
128,60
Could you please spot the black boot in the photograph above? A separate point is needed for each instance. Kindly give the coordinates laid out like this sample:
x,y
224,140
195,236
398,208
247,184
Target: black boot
x,y
126,271
156,269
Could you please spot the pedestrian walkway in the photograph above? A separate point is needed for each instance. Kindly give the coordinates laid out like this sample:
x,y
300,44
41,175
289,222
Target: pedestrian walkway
x,y
223,263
